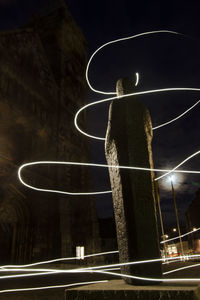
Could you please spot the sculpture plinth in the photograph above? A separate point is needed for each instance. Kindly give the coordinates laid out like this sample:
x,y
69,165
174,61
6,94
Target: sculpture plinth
x,y
128,143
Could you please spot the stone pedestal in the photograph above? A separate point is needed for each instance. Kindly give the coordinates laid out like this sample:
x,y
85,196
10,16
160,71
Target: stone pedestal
x,y
128,143
118,290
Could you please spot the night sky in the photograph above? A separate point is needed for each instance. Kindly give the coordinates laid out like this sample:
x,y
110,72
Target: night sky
x,y
162,60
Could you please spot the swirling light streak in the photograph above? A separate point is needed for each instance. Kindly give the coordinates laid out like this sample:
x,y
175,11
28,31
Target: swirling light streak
x,y
113,266
117,41
129,95
94,165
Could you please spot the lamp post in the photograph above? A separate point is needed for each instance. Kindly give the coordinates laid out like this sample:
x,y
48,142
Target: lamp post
x,y
171,178
161,219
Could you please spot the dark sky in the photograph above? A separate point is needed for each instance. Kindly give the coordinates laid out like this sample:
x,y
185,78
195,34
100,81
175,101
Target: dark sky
x,y
162,60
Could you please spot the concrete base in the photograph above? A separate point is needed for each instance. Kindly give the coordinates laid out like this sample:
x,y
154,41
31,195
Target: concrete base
x,y
119,290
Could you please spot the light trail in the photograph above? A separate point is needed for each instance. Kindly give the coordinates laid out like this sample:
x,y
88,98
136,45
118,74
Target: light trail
x,y
134,94
94,165
149,278
178,117
117,41
112,269
135,263
104,269
56,260
182,235
137,78
51,286
181,269
38,263
20,268
102,253
49,272
174,169
115,265
169,262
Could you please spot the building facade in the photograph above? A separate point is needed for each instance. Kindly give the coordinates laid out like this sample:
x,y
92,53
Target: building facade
x,y
42,86
193,223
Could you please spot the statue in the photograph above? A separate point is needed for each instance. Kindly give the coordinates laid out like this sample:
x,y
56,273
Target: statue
x,y
128,143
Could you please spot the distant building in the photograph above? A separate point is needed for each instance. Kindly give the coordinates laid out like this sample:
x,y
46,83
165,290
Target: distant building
x,y
42,85
193,222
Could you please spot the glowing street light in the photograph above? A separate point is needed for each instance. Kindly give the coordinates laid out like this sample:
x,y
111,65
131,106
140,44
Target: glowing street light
x,y
172,178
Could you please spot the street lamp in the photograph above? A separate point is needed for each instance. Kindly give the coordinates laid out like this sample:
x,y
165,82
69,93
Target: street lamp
x,y
172,180
161,219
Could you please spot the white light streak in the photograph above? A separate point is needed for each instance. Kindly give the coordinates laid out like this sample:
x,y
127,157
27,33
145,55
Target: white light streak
x,y
106,269
137,262
101,269
56,260
185,160
118,264
169,262
129,95
91,165
137,78
181,269
102,253
178,117
117,41
150,278
56,191
49,272
112,269
178,237
38,263
51,286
